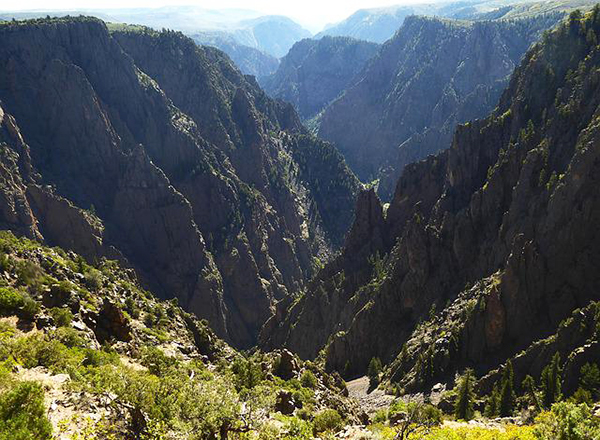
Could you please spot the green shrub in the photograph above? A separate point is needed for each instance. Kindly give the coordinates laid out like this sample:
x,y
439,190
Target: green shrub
x,y
567,421
36,350
132,308
28,274
10,301
15,302
70,337
93,279
157,362
308,379
62,317
298,429
247,374
98,358
327,420
23,415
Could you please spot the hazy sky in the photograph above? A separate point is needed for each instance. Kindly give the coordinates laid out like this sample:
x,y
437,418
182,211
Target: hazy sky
x,y
308,12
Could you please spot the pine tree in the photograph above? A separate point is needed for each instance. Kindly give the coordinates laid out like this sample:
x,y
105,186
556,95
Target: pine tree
x,y
373,372
464,404
493,403
551,381
528,386
507,393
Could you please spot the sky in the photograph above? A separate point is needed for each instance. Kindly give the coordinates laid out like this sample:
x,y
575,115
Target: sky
x,y
310,13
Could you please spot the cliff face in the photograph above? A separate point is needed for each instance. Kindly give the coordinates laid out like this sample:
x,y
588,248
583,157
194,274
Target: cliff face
x,y
493,241
430,76
191,173
315,72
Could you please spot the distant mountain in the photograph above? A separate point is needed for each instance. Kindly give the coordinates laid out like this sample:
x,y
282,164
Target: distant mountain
x,y
532,9
315,72
376,25
432,75
183,18
249,60
380,24
272,34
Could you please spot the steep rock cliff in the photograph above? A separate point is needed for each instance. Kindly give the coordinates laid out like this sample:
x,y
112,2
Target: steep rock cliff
x,y
192,174
315,72
492,242
430,76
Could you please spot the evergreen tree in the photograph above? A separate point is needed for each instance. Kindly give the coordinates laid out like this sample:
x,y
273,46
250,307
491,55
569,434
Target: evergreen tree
x,y
528,387
492,403
347,370
463,408
589,379
507,391
373,371
551,381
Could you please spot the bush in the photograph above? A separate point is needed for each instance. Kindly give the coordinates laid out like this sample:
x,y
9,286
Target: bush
x,y
567,421
29,274
247,374
23,415
327,420
308,379
157,362
69,337
62,317
15,302
296,429
93,279
36,350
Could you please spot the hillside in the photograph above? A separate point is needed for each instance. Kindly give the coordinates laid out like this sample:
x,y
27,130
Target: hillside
x,y
405,104
488,250
250,61
85,351
315,72
141,146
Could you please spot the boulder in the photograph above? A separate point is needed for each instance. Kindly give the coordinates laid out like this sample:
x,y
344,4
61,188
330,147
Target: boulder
x,y
287,368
